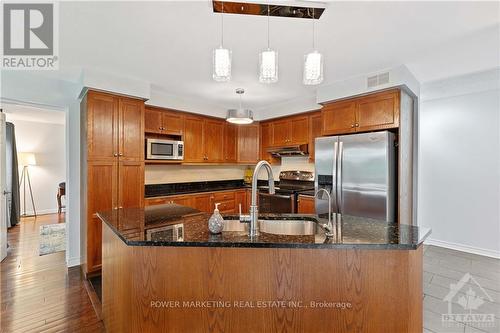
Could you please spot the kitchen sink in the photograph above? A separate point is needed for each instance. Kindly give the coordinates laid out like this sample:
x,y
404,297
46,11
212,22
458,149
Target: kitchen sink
x,y
276,227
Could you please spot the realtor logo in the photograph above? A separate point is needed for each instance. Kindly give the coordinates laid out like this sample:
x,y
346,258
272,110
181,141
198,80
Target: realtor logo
x,y
470,296
29,36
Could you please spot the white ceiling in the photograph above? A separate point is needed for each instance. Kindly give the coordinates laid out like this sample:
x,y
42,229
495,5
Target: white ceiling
x,y
170,44
15,112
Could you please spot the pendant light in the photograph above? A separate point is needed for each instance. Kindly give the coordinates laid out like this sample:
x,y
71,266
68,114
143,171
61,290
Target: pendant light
x,y
222,57
313,64
268,60
240,116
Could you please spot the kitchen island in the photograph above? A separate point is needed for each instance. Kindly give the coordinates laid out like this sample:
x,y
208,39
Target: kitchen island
x,y
164,272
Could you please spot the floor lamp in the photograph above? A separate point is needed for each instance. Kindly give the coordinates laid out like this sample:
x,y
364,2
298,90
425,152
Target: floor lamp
x,y
26,160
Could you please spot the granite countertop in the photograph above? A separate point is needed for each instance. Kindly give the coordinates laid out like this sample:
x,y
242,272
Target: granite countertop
x,y
142,227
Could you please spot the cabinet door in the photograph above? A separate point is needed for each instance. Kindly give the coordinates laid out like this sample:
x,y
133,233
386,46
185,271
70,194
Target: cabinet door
x,y
131,129
379,111
339,118
181,200
130,184
201,202
193,139
299,133
155,201
172,123
281,132
101,196
214,140
102,126
230,143
248,143
241,199
152,120
306,205
315,124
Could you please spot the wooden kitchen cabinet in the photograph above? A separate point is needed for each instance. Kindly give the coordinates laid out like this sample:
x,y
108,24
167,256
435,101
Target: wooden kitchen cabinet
x,y
339,118
112,164
230,143
213,141
306,205
193,139
202,202
362,114
162,121
248,143
290,131
378,111
241,199
315,126
101,124
266,138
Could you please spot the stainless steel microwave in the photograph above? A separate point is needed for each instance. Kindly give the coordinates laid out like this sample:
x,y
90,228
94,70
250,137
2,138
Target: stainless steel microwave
x,y
158,149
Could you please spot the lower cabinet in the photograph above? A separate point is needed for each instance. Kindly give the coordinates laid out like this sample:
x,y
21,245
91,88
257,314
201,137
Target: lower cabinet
x,y
229,201
306,205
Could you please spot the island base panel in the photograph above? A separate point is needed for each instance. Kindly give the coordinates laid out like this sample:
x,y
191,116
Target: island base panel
x,y
156,289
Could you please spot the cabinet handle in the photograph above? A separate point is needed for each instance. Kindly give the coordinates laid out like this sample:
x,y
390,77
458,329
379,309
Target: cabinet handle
x,y
353,125
120,207
120,154
115,208
115,154
357,125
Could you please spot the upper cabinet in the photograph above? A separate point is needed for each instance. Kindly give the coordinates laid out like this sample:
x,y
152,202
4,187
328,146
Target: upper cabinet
x,y
230,143
289,131
248,143
214,140
315,125
193,139
101,111
362,114
161,121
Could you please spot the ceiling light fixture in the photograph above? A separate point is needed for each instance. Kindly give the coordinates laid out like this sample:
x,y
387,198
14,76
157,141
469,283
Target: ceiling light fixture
x,y
240,116
313,64
268,60
222,57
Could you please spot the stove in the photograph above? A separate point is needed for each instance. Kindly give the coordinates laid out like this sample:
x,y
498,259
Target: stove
x,y
286,193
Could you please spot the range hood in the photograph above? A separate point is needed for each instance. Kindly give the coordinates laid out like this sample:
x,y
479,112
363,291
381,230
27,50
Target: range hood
x,y
296,150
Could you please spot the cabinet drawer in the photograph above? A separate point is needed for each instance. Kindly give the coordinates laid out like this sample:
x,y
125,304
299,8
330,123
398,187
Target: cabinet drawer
x,y
223,196
227,206
156,201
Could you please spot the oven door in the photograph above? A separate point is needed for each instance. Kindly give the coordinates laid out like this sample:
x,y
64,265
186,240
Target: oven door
x,y
276,203
161,150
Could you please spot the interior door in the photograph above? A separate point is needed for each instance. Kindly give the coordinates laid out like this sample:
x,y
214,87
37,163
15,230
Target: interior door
x,y
366,175
3,199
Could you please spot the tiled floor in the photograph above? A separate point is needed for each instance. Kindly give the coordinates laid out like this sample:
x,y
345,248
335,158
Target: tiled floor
x,y
443,267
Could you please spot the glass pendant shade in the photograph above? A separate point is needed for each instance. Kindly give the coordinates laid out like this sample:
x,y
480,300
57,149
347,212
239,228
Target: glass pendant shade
x,y
239,116
268,66
313,68
222,65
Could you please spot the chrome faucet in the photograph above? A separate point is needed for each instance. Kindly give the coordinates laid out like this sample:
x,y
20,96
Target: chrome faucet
x,y
328,227
253,218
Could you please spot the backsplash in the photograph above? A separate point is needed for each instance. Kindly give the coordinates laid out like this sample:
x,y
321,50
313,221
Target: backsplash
x,y
166,174
290,163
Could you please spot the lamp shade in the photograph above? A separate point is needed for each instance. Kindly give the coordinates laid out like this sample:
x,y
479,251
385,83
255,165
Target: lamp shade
x,y
26,159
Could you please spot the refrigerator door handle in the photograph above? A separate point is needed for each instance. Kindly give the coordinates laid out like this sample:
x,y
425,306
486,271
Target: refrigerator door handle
x,y
334,176
338,187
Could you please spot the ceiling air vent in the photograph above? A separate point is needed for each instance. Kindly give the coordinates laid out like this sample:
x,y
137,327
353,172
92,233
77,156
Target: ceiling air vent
x,y
377,80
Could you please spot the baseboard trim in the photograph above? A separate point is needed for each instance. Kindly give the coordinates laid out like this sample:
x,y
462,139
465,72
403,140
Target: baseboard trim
x,y
41,212
71,262
464,248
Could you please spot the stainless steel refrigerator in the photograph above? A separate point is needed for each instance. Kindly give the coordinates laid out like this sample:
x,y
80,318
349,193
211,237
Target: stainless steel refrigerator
x,y
359,172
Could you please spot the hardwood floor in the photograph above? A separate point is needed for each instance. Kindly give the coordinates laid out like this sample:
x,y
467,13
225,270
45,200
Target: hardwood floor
x,y
39,293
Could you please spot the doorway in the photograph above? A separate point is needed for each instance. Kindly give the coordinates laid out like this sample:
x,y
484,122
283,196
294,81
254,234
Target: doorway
x,y
35,182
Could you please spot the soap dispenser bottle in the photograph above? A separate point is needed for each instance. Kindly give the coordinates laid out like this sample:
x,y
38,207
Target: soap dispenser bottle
x,y
216,222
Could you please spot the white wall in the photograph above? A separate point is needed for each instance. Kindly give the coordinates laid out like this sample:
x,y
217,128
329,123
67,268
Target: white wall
x,y
47,141
459,179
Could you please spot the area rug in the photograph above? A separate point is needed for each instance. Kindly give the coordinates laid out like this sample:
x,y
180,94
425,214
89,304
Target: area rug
x,y
52,238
